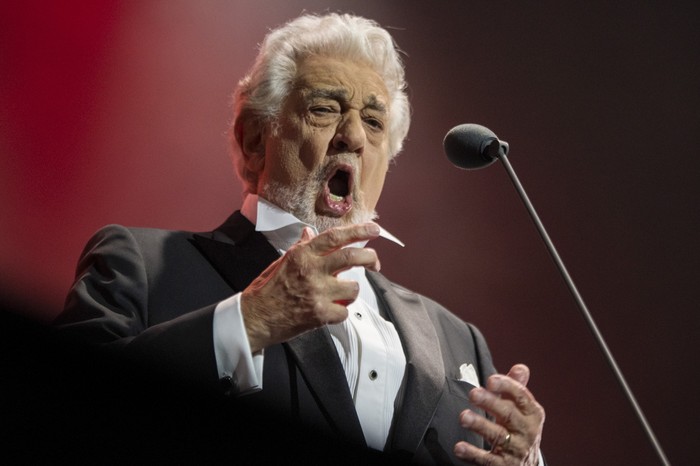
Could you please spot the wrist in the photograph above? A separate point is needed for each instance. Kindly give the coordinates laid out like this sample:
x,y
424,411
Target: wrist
x,y
256,330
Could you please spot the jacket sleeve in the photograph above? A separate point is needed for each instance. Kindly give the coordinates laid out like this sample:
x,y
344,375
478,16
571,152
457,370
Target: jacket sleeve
x,y
108,305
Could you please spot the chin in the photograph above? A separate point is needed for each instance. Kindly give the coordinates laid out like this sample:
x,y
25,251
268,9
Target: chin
x,y
301,202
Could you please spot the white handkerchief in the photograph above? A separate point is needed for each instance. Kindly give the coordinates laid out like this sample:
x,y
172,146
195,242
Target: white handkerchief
x,y
467,373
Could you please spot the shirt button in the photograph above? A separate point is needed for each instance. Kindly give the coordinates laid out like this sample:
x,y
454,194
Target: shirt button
x,y
358,315
372,374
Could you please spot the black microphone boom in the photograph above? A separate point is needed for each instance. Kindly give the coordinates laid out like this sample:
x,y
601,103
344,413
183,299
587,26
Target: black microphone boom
x,y
471,146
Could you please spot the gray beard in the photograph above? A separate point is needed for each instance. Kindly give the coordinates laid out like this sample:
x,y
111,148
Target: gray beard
x,y
300,200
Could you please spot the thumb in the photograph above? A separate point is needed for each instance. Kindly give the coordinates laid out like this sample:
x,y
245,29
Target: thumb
x,y
307,233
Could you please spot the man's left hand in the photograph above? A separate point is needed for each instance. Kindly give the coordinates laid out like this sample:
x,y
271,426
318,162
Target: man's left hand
x,y
516,430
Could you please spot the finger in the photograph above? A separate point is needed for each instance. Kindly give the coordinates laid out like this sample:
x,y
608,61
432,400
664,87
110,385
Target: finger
x,y
493,433
331,313
345,292
503,410
510,403
468,452
330,303
346,258
520,372
336,238
307,234
510,389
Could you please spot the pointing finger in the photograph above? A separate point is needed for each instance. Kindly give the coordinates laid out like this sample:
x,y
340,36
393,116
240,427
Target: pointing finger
x,y
336,238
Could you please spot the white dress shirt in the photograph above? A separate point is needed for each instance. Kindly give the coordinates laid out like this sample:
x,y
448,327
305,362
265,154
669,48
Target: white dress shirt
x,y
368,345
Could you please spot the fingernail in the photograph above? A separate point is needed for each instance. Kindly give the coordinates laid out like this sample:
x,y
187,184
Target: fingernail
x,y
460,449
373,229
477,395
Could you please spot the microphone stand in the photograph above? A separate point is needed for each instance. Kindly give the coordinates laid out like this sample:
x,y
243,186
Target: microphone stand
x,y
498,151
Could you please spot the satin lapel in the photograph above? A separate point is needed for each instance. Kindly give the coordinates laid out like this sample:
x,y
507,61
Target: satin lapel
x,y
242,260
318,362
425,373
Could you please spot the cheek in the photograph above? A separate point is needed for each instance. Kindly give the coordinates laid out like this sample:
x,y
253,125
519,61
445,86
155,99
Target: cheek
x,y
301,151
312,152
372,184
282,162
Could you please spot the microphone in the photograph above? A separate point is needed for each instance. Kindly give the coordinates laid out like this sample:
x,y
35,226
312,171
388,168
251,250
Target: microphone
x,y
471,146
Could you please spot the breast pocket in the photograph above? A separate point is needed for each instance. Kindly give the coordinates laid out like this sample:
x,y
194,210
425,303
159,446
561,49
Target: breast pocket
x,y
444,430
459,388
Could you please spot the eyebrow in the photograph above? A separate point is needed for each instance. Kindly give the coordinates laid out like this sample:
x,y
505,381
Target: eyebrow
x,y
341,95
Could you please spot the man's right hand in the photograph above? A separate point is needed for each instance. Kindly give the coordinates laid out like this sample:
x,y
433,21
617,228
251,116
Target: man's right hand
x,y
300,291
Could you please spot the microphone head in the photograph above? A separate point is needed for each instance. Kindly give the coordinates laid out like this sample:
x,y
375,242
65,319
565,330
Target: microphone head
x,y
471,146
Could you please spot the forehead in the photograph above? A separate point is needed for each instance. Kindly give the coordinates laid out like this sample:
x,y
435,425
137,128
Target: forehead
x,y
326,77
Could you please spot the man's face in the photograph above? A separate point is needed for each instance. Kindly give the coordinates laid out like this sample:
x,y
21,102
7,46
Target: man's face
x,y
326,157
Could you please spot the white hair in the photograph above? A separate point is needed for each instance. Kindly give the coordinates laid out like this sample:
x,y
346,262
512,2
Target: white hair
x,y
261,93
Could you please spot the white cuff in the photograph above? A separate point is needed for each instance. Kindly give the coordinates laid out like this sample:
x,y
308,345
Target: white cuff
x,y
232,349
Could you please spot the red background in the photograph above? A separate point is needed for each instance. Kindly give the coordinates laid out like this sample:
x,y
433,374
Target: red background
x,y
116,113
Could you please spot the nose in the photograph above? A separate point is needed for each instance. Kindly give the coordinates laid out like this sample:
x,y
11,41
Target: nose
x,y
350,134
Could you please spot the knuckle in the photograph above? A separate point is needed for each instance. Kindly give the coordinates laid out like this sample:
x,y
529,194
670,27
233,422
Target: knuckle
x,y
303,268
294,249
295,254
508,415
349,255
334,236
318,312
521,397
539,412
312,292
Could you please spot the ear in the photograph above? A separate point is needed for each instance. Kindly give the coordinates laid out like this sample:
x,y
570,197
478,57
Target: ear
x,y
250,135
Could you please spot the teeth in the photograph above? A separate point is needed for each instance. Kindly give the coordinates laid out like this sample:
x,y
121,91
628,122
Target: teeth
x,y
336,198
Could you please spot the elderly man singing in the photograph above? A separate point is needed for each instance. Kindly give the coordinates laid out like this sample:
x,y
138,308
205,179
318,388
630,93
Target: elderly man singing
x,y
283,302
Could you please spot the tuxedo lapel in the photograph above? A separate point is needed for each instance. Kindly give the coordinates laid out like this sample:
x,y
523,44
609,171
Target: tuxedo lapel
x,y
242,260
239,262
425,373
318,362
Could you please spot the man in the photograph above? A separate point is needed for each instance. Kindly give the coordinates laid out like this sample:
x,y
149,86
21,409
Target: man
x,y
283,303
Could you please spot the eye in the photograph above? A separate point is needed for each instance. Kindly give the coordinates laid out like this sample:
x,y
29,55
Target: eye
x,y
322,110
375,123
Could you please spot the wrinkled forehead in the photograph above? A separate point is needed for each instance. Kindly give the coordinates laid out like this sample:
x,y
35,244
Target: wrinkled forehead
x,y
344,81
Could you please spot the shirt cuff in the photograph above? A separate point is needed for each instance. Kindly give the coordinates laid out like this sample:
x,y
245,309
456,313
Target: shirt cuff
x,y
232,349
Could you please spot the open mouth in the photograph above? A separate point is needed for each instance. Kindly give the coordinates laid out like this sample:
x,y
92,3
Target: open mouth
x,y
337,198
339,185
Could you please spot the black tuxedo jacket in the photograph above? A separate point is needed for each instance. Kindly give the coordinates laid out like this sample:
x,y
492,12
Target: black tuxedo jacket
x,y
152,293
